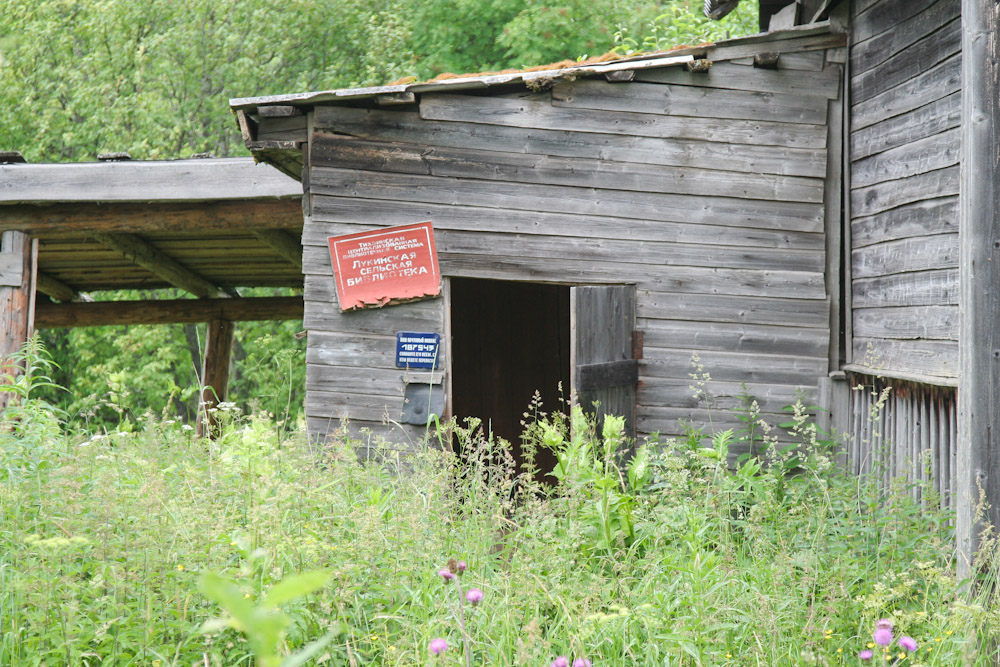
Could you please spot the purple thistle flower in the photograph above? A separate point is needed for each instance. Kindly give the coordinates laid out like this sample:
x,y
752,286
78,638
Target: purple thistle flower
x,y
446,574
908,643
438,646
882,636
561,661
462,566
883,624
866,655
474,596
582,662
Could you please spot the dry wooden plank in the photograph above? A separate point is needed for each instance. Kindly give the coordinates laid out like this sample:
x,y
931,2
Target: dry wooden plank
x,y
355,381
591,248
175,311
913,254
873,17
866,54
740,77
677,422
351,349
770,398
734,367
937,358
734,337
933,84
935,152
691,101
553,266
141,218
408,127
908,63
921,218
370,439
283,243
332,189
903,322
322,313
338,405
16,302
812,61
891,194
542,115
292,128
926,121
719,308
56,289
921,288
357,154
136,180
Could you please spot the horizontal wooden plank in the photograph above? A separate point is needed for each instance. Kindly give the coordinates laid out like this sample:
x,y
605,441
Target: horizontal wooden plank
x,y
922,288
552,263
926,121
891,194
717,308
723,396
915,254
927,357
733,366
141,218
692,101
331,151
933,84
144,181
875,17
741,77
363,380
908,63
408,127
903,322
921,218
812,61
323,314
351,349
638,209
338,405
596,249
104,313
868,53
735,337
370,439
921,156
542,115
289,128
677,422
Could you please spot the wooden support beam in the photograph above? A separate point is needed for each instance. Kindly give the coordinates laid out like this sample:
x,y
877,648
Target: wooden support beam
x,y
184,217
978,455
151,258
215,372
56,288
15,305
284,244
177,311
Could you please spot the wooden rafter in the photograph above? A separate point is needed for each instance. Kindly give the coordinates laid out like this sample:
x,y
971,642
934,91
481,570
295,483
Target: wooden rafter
x,y
56,288
175,311
149,257
282,243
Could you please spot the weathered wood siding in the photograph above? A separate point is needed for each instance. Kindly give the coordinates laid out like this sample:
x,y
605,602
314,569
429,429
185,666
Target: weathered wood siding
x,y
704,191
905,66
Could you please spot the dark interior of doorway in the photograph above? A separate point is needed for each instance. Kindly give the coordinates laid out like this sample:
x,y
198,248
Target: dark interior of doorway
x,y
509,340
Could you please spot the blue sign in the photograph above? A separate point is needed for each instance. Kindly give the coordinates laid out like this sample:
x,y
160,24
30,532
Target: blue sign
x,y
417,350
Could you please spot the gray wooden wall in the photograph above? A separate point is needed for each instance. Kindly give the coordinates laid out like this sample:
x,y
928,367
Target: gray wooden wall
x,y
905,66
705,191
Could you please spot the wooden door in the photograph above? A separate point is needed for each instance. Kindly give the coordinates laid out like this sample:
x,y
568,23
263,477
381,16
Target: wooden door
x,y
604,372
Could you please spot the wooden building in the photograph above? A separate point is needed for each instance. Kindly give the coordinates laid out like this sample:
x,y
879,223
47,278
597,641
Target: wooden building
x,y
597,227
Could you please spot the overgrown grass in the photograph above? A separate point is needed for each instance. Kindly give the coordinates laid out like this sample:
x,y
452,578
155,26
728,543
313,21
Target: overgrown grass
x,y
670,559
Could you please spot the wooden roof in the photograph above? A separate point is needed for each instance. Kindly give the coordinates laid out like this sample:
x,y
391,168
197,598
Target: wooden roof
x,y
208,226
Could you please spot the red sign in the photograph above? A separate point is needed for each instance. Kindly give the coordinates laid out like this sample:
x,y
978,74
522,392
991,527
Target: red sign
x,y
383,266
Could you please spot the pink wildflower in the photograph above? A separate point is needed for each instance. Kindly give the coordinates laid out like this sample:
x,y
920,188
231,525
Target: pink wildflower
x,y
438,646
474,596
866,655
908,643
561,661
582,662
446,574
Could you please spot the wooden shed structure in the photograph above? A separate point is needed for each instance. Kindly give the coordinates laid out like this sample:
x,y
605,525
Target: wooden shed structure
x,y
597,228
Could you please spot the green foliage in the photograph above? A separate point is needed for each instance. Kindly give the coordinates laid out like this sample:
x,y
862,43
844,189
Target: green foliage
x,y
682,22
667,557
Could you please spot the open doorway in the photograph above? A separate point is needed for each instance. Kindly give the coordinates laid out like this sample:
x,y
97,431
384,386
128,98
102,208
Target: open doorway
x,y
509,340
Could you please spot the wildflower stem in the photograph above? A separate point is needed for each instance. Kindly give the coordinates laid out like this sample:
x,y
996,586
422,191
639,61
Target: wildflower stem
x,y
461,623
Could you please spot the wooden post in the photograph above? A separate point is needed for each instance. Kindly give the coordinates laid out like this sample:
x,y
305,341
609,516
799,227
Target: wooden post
x,y
16,299
215,371
978,456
